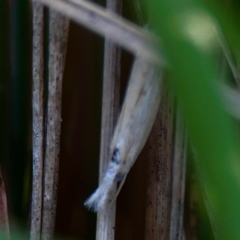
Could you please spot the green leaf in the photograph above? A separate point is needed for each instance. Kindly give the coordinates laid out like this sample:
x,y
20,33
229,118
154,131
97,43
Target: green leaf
x,y
188,32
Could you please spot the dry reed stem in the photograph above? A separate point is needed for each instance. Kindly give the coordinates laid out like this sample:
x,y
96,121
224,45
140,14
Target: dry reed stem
x,y
37,108
111,26
178,180
58,35
110,110
4,223
160,167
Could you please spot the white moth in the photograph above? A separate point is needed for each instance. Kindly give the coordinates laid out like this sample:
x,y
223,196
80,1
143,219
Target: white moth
x,y
136,119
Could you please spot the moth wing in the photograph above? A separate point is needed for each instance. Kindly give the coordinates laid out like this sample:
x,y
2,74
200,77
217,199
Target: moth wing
x,y
144,114
138,77
134,125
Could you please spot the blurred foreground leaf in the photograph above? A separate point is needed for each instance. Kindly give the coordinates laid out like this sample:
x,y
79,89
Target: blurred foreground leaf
x,y
188,34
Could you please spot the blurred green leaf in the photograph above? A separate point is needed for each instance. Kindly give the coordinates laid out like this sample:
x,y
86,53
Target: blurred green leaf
x,y
188,32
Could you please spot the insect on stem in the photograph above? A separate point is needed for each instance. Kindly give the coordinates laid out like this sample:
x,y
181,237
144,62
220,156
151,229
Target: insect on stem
x,y
135,122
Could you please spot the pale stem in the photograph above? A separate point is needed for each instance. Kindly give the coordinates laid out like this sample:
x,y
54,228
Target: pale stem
x,y
111,26
110,111
37,114
178,179
58,36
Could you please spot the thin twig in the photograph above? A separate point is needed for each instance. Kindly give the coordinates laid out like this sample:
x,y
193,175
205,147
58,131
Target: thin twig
x,y
178,179
58,35
4,223
160,165
37,108
110,110
125,33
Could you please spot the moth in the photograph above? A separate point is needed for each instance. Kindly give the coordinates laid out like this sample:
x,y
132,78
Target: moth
x,y
135,122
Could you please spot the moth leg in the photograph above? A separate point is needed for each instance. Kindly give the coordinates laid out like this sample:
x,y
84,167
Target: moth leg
x,y
120,186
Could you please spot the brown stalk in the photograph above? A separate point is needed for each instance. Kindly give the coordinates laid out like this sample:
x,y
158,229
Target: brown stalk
x,y
58,36
110,110
159,173
37,108
178,180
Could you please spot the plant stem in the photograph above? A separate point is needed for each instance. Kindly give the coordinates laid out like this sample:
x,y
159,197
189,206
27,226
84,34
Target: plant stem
x,y
58,35
160,166
110,111
178,179
37,125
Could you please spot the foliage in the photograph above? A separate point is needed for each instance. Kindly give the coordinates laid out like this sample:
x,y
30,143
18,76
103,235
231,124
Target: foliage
x,y
189,36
